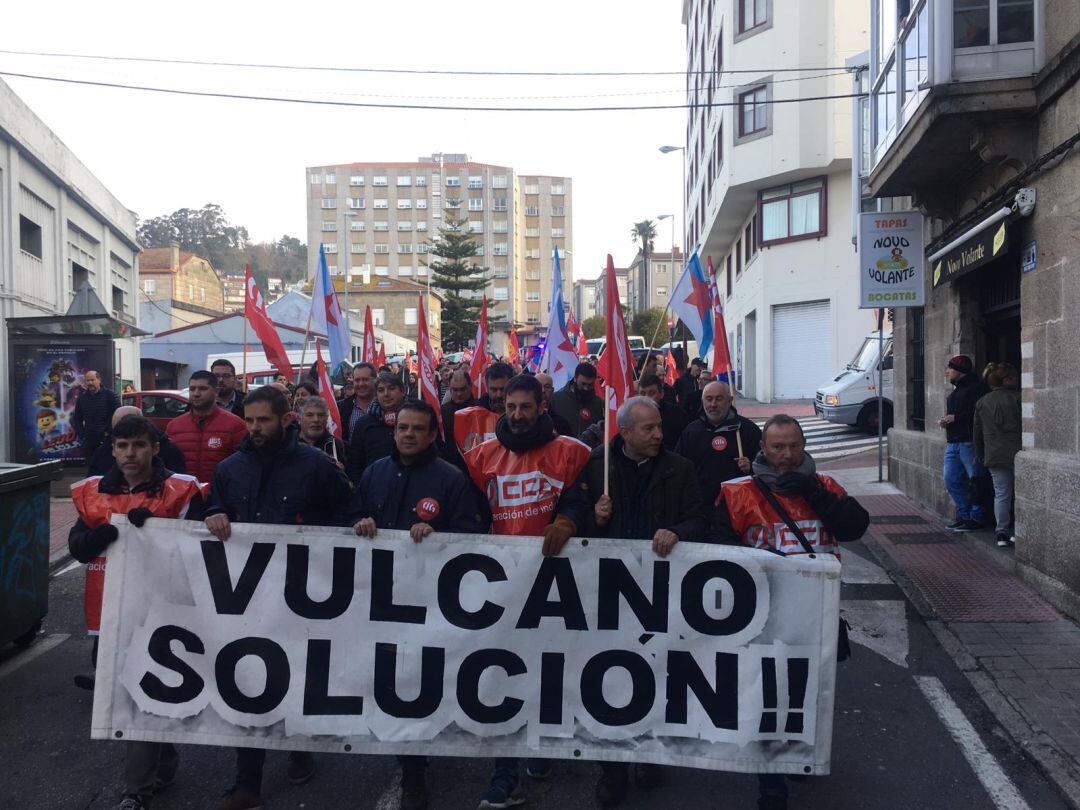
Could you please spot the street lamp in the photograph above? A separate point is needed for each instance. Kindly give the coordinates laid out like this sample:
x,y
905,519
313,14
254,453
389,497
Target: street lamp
x,y
661,218
682,191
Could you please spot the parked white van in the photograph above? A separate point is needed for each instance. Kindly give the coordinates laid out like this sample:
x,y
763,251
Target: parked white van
x,y
851,398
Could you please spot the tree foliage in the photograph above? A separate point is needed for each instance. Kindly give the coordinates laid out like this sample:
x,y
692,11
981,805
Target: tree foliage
x,y
459,278
645,323
594,327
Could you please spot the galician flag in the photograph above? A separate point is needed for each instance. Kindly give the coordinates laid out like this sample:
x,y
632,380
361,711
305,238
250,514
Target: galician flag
x,y
559,359
691,303
479,362
326,314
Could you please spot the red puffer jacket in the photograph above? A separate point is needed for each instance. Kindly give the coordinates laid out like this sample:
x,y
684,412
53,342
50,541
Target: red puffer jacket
x,y
206,440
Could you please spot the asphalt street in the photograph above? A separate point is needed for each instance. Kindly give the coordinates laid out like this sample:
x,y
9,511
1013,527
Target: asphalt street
x,y
909,733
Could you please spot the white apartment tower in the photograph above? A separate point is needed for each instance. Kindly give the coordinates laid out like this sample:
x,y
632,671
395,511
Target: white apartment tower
x,y
768,193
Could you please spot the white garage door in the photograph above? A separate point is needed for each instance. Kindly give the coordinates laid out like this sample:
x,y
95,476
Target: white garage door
x,y
801,349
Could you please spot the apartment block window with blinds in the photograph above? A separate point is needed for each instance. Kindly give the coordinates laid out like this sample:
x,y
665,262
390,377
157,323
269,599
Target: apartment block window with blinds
x,y
796,211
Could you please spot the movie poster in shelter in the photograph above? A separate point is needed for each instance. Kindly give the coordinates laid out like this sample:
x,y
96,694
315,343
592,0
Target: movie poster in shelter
x,y
47,380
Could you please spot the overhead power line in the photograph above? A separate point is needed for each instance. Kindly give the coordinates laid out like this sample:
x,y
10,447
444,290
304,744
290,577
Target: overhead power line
x,y
399,106
407,71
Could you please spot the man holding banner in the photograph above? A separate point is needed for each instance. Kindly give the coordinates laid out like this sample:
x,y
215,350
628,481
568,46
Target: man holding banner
x,y
274,478
530,477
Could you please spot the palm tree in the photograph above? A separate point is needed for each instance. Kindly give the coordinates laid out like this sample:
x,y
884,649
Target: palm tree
x,y
644,233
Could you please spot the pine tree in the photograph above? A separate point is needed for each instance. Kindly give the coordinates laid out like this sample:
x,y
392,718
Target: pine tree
x,y
455,273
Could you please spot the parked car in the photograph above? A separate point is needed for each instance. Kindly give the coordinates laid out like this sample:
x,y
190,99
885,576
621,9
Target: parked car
x,y
160,407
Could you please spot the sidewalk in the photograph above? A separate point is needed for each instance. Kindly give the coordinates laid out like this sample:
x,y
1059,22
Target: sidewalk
x,y
752,409
62,516
1021,655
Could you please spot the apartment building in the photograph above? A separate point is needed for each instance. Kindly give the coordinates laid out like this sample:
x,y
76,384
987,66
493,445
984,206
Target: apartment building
x,y
974,108
769,191
384,217
583,300
622,276
662,275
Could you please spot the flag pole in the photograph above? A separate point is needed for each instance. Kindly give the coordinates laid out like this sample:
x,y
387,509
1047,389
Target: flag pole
x,y
649,348
607,437
244,372
307,334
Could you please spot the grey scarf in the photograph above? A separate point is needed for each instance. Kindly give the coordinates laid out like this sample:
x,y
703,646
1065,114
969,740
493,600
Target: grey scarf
x,y
769,476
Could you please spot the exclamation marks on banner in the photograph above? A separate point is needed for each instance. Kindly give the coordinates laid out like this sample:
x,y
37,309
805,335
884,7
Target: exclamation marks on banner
x,y
798,672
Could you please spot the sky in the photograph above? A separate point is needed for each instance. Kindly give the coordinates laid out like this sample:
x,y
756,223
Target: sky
x,y
157,153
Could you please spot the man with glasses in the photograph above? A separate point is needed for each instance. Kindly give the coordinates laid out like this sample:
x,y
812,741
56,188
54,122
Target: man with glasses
x,y
228,397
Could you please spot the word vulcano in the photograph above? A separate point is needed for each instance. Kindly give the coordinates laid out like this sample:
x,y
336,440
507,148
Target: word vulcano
x,y
468,645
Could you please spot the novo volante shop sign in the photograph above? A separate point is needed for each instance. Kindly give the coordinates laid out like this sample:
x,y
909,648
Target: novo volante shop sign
x,y
974,253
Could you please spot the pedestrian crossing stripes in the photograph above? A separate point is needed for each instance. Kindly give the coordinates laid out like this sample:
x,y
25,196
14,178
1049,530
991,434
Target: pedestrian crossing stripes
x,y
826,440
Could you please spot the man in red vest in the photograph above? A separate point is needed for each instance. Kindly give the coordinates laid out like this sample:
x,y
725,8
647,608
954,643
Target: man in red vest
x,y
208,433
530,477
475,425
138,486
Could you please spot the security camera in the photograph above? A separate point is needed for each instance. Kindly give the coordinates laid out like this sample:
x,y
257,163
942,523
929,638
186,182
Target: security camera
x,y
1025,201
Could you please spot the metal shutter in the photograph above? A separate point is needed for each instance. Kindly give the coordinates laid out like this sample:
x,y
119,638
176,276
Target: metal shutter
x,y
801,349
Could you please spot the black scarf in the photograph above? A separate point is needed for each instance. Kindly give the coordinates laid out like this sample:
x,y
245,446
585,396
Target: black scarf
x,y
769,476
542,432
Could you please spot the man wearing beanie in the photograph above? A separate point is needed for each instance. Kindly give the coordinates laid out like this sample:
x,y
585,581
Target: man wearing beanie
x,y
961,463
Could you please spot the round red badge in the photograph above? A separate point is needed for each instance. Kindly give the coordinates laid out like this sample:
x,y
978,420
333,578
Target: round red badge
x,y
390,419
584,413
427,508
719,443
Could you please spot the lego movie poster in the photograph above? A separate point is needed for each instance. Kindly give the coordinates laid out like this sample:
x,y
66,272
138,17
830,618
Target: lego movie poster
x,y
47,382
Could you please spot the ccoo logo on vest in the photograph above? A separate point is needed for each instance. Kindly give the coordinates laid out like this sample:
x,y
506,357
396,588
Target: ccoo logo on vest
x,y
427,508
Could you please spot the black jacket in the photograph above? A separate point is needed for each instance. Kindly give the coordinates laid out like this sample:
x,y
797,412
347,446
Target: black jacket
x,y
674,420
171,456
329,443
92,414
292,485
579,414
713,450
449,447
371,440
398,496
345,409
83,544
663,494
685,386
961,404
236,407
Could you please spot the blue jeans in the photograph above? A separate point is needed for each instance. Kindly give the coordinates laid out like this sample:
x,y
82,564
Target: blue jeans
x,y
960,466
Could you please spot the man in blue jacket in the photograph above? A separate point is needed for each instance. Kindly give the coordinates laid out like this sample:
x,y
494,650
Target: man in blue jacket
x,y
416,490
273,478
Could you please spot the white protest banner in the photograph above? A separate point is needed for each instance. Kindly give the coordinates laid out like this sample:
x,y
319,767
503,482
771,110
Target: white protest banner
x,y
310,638
892,264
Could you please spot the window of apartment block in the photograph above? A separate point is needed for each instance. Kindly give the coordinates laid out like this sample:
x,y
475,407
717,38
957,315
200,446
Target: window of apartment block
x,y
532,275
118,299
380,225
329,227
357,202
752,14
421,204
558,232
499,181
382,270
532,211
421,226
453,182
149,286
356,180
403,204
501,249
476,204
404,226
404,248
357,247
500,226
558,210
315,179
476,226
330,179
405,270
754,111
421,181
992,22
738,258
500,272
532,253
382,248
476,182
381,203
728,274
452,202
330,247
410,316
792,212
404,180
423,247
532,318
378,316
356,225
498,204
329,202
500,293
480,250
661,291
532,296
379,181
532,188
558,188
748,245
532,231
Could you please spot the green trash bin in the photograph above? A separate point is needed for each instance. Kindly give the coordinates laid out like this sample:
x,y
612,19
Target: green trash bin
x,y
24,548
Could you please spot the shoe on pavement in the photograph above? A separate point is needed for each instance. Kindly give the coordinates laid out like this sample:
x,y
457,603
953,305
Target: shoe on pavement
x,y
414,795
504,791
610,792
240,798
956,524
538,769
133,801
969,526
1002,540
647,776
301,767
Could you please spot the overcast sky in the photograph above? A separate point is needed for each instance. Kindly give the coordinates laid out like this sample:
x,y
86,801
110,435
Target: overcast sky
x,y
157,153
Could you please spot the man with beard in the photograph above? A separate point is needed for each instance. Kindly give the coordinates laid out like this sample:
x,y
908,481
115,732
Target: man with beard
x,y
460,396
653,496
229,396
273,479
577,402
475,425
719,442
373,434
314,418
756,511
416,491
562,427
526,448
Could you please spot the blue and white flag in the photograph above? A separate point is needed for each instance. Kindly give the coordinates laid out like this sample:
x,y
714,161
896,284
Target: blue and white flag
x,y
326,314
692,304
559,358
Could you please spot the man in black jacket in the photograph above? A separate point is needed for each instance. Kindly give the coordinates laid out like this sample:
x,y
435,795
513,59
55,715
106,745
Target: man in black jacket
x,y
653,496
276,479
461,397
672,417
961,463
719,443
686,386
362,400
170,455
229,396
562,427
414,490
577,401
314,418
92,415
372,436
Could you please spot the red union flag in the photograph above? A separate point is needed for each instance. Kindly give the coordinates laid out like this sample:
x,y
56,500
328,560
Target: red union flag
x,y
326,391
426,378
617,364
479,360
514,354
369,355
721,357
255,312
